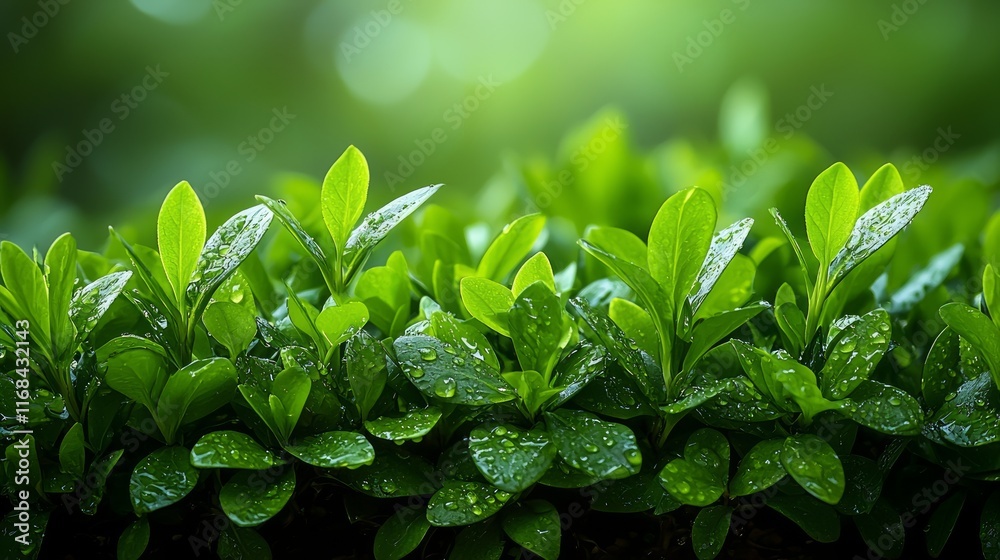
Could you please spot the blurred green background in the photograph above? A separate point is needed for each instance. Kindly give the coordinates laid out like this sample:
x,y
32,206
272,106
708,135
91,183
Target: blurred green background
x,y
109,104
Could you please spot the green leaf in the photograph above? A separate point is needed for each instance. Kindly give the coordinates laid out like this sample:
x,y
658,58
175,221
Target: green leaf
x,y
991,293
709,532
345,191
622,244
534,525
401,534
180,237
72,453
710,331
510,247
232,324
831,210
883,520
584,363
535,269
721,252
482,541
989,528
970,417
133,540
224,252
589,444
760,468
450,374
290,389
394,473
511,458
537,328
334,450
875,228
338,323
136,368
636,323
863,485
679,241
851,360
367,371
487,301
162,478
923,281
378,224
237,543
817,519
464,503
975,327
413,425
230,450
942,374
884,408
24,280
699,478
194,392
99,471
815,466
300,235
90,303
796,248
60,266
942,523
250,498
634,494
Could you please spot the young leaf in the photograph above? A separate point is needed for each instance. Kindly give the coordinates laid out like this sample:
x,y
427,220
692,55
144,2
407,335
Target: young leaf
x,y
413,425
232,324
679,241
724,247
511,458
815,466
636,323
230,450
598,448
401,534
136,368
378,224
875,228
345,191
24,280
464,503
298,232
699,478
367,371
942,374
535,269
708,534
72,454
852,358
831,210
180,237
91,302
488,301
535,525
162,478
510,247
291,389
337,323
250,498
537,328
60,264
713,329
194,392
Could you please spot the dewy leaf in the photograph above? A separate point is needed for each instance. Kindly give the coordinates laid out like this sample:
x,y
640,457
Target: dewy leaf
x,y
713,329
232,324
854,356
760,468
942,523
450,374
482,541
876,227
636,323
884,408
535,525
942,374
401,534
133,540
136,368
488,301
699,478
620,243
72,454
91,302
180,237
162,478
831,210
238,543
817,519
378,224
250,498
970,417
394,473
334,450
975,327
709,531
724,247
923,281
194,392
225,251
989,528
230,450
537,328
24,279
345,191
598,448
510,247
367,371
536,269
464,503
298,232
291,389
338,323
679,241
815,466
413,425
511,458
60,265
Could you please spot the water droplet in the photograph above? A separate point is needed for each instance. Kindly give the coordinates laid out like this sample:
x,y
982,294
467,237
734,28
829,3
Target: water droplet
x,y
428,354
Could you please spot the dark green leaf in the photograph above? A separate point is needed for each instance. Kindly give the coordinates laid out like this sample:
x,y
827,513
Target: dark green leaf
x,y
250,498
815,466
133,540
534,525
450,374
334,450
464,503
510,458
601,449
230,450
760,468
942,523
401,534
708,534
162,478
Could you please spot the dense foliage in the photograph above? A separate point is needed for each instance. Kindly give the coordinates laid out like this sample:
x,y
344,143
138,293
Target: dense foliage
x,y
471,375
